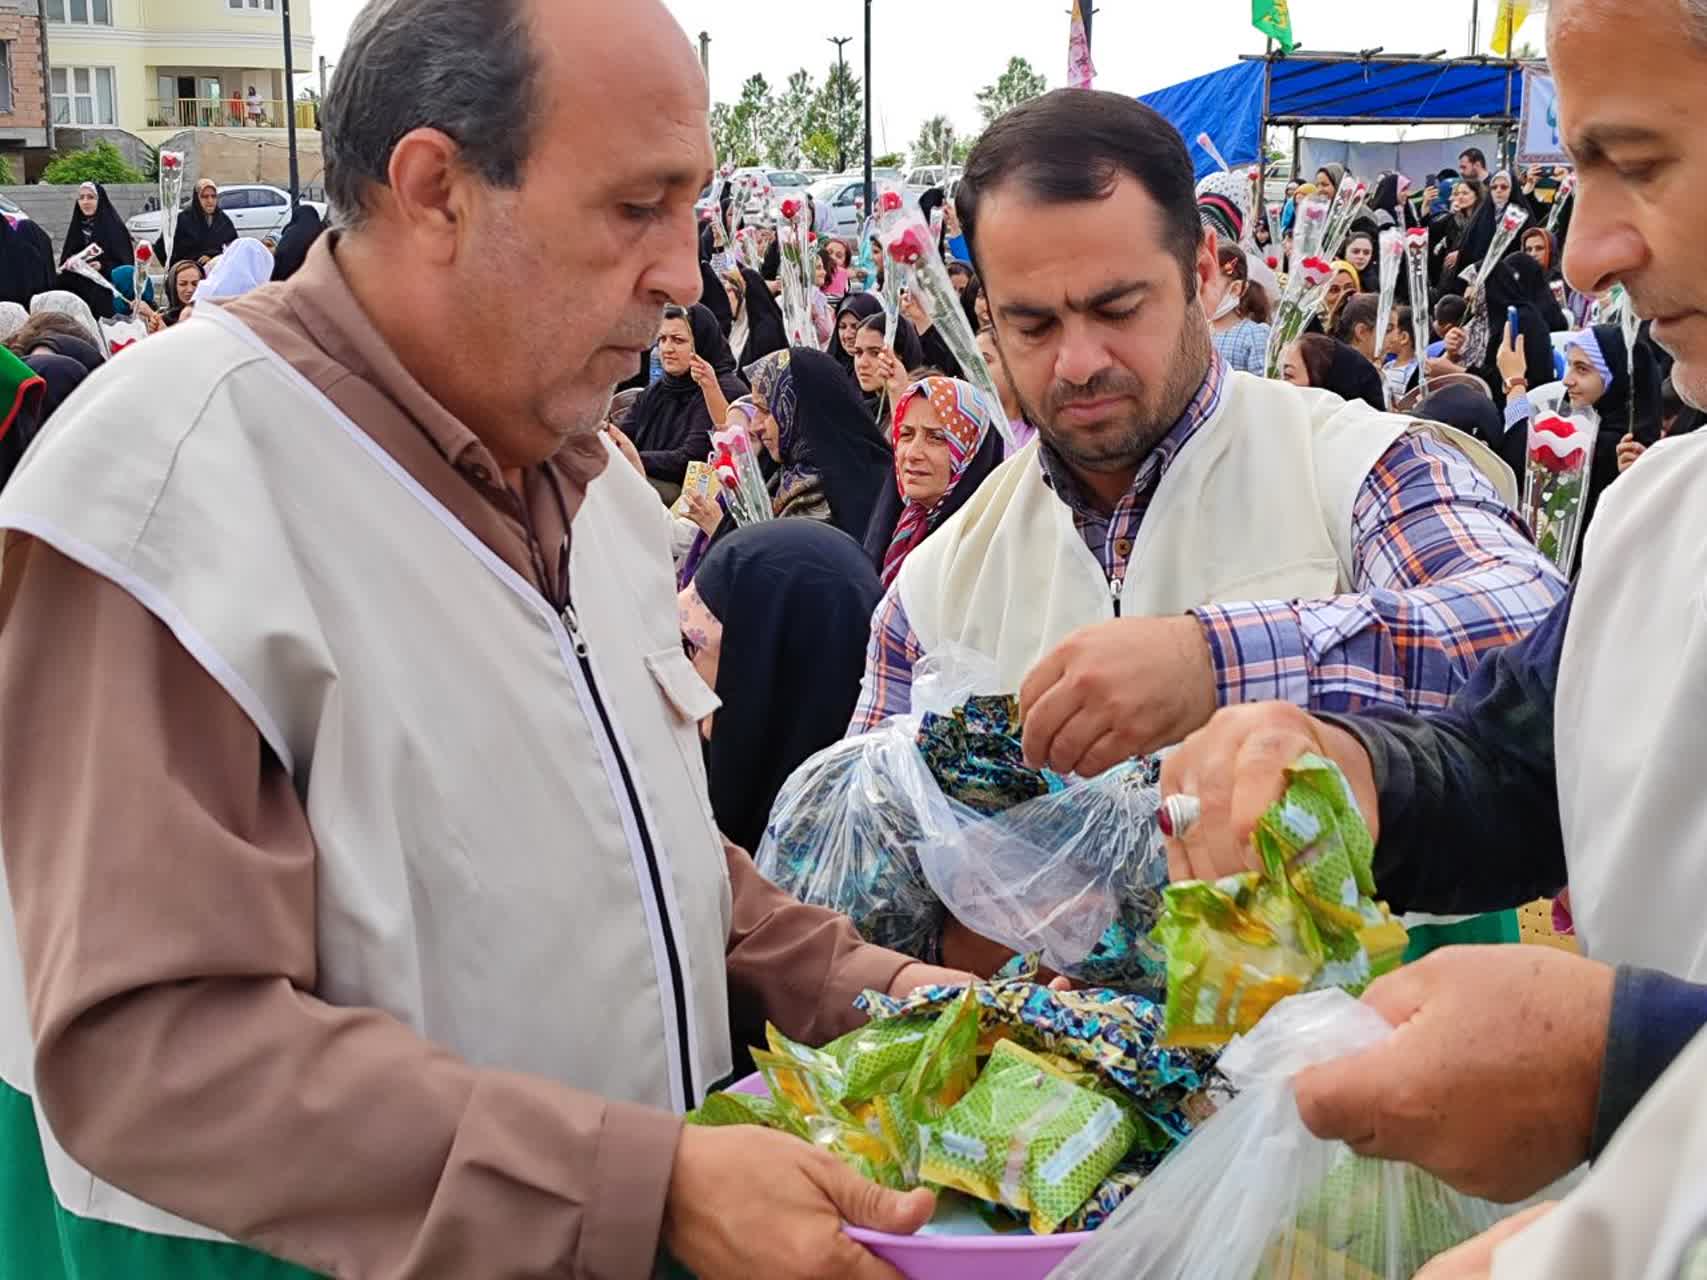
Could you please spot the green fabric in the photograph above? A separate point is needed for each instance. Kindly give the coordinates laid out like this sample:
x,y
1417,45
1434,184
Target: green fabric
x,y
1274,19
40,1240
1477,931
17,383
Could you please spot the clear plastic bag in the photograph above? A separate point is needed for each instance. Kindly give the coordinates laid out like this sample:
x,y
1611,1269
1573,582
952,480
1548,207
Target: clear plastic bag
x,y
846,827
1076,875
1254,1196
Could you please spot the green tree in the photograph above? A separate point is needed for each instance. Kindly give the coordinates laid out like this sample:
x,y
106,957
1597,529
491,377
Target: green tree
x,y
819,148
890,160
936,137
102,162
840,112
739,132
1019,83
792,120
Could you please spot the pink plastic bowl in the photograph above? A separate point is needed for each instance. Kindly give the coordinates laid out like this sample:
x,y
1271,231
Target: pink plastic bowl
x,y
1016,1257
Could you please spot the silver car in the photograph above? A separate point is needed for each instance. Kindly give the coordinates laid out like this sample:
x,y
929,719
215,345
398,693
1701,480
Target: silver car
x,y
256,210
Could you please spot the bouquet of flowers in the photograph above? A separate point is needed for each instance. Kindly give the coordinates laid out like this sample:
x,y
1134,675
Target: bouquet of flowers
x,y
171,192
907,243
796,240
1511,222
1555,485
1416,259
1392,258
1306,289
738,476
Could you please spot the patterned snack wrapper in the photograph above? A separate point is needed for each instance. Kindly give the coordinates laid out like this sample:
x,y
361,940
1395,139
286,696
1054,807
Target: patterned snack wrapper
x,y
1117,1036
864,1063
849,1132
737,1108
1308,920
1029,1138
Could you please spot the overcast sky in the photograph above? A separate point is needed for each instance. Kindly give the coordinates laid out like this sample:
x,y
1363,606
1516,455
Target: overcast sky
x,y
932,56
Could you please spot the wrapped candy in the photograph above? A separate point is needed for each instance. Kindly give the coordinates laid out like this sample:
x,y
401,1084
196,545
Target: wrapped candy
x,y
1555,487
1028,1137
739,477
907,242
1391,252
1306,290
1307,920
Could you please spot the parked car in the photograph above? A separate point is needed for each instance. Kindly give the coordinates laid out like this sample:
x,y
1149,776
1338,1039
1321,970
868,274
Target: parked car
x,y
256,210
923,179
840,194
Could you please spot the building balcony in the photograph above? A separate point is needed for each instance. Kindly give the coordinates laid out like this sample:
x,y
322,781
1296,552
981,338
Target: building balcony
x,y
206,113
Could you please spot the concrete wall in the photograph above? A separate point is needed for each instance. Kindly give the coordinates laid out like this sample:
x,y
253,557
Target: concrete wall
x,y
68,138
51,206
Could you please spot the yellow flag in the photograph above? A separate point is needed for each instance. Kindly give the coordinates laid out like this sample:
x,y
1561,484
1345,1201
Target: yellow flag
x,y
1511,16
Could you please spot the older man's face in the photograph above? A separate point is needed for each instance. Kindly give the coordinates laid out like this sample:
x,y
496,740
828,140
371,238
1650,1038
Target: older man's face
x,y
602,233
1632,91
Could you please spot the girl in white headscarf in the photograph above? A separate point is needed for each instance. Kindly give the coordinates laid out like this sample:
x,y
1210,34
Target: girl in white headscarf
x,y
245,266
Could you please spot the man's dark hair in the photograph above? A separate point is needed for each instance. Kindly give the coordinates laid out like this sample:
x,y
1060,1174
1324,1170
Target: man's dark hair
x,y
1449,312
467,69
1074,145
1474,156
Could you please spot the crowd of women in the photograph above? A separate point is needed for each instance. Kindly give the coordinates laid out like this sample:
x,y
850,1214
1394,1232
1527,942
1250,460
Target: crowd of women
x,y
871,443
65,312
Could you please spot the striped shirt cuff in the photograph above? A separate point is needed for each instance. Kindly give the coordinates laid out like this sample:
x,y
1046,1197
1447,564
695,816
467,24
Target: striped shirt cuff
x,y
1259,653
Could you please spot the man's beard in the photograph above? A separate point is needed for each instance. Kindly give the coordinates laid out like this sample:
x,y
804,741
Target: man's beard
x,y
1154,413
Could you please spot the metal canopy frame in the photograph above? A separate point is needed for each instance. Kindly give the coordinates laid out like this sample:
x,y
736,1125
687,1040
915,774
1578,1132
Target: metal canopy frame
x,y
1344,90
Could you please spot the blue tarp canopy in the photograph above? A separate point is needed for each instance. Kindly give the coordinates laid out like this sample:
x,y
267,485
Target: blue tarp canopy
x,y
1334,89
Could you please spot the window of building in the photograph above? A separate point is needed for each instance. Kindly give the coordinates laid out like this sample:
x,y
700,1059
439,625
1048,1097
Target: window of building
x,y
252,6
84,95
6,77
96,12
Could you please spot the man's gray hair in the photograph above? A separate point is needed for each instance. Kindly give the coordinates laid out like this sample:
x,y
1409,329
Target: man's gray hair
x,y
464,67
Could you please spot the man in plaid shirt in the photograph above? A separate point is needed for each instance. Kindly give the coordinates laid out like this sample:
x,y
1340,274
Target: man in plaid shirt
x,y
1093,283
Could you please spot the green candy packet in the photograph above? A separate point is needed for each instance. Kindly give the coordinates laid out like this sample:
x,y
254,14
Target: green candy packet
x,y
722,1109
1027,1137
1307,920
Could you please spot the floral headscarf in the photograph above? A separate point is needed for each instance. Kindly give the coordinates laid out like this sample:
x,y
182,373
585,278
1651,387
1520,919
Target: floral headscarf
x,y
966,419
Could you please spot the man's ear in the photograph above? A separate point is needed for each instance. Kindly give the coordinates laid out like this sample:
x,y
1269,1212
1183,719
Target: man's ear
x,y
430,193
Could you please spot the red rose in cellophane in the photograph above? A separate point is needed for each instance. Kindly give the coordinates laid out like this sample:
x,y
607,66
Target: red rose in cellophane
x,y
910,247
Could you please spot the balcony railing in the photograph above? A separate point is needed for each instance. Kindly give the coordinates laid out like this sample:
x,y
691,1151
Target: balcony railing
x,y
231,113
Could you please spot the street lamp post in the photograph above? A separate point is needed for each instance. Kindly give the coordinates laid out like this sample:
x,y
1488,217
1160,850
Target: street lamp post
x,y
841,104
290,109
870,193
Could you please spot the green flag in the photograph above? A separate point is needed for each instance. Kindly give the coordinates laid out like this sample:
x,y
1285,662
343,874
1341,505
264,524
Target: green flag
x,y
1274,19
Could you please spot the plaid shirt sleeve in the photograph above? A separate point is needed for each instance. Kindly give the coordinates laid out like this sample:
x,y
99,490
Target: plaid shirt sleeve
x,y
1444,573
889,659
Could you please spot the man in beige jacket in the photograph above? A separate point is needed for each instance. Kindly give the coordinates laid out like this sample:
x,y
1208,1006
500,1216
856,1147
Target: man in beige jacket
x,y
362,905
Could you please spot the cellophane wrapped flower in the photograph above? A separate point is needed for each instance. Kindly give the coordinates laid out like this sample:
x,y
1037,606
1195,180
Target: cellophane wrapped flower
x,y
723,258
1416,261
1274,211
1350,201
739,479
1391,251
1306,289
1310,229
1567,188
139,277
907,243
1510,223
171,192
1555,488
795,239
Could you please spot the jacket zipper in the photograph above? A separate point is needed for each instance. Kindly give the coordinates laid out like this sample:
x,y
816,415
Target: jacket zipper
x,y
678,985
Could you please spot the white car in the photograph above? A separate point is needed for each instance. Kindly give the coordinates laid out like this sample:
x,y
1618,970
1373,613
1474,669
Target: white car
x,y
257,211
923,179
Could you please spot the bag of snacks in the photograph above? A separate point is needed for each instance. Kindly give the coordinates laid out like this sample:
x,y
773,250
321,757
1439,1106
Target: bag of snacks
x,y
1255,1196
1307,920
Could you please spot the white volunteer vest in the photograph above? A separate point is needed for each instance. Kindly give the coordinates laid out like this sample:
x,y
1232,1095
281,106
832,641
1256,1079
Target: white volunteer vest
x,y
498,869
1257,506
1630,728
